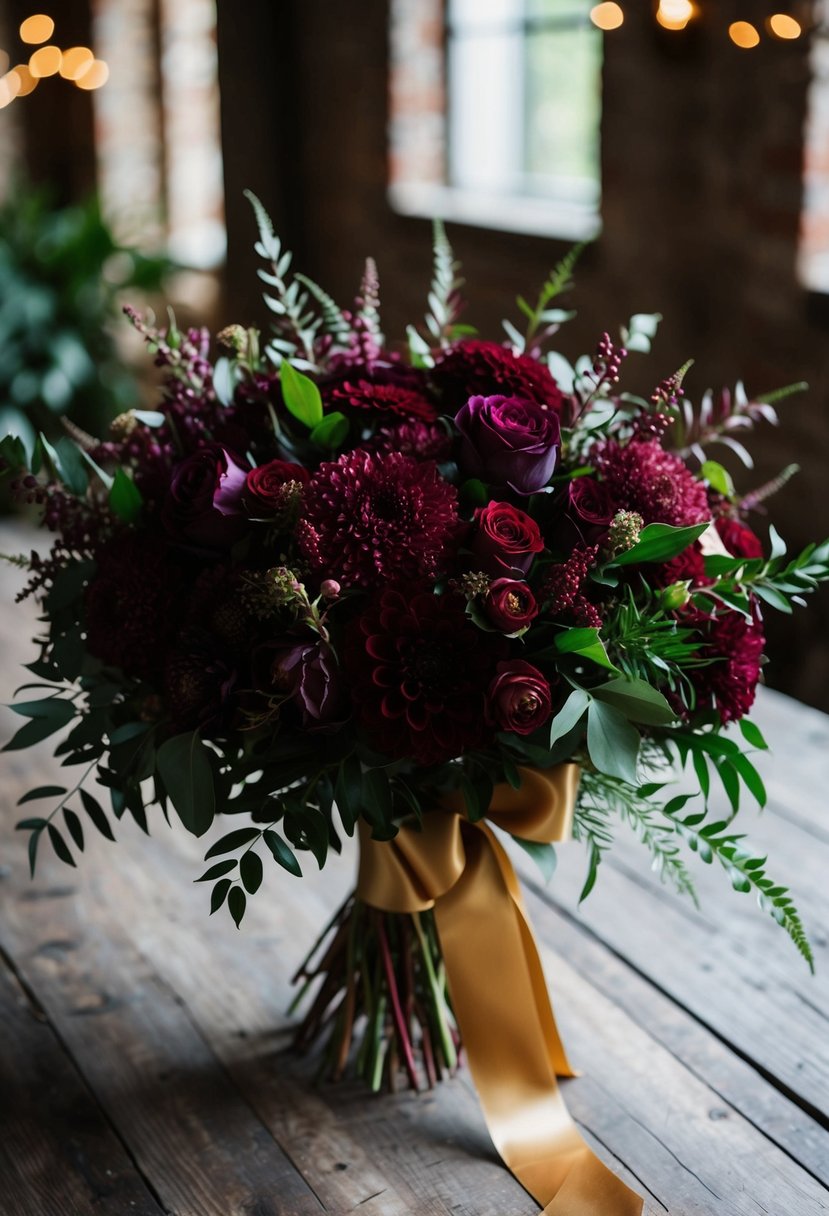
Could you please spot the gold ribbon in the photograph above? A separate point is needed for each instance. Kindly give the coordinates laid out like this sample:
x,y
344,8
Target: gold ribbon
x,y
496,982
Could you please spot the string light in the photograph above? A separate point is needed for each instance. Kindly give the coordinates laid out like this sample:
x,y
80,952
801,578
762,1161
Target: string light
x,y
607,16
675,14
95,76
9,88
743,34
28,82
784,26
38,28
76,61
46,61
4,62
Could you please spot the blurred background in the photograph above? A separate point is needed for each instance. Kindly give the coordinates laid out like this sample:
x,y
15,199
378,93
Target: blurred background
x,y
687,139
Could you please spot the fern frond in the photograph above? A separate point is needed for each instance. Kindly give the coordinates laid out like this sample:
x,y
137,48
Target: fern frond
x,y
559,280
333,320
445,302
296,326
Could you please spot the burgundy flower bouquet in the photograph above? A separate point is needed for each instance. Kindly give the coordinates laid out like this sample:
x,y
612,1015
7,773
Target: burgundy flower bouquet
x,y
330,584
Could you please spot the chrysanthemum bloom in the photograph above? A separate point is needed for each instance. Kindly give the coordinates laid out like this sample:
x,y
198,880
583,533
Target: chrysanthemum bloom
x,y
474,368
423,440
420,671
642,477
735,644
370,518
396,399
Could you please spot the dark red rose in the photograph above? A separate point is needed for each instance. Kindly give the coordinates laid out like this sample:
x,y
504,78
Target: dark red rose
x,y
202,506
590,502
505,539
472,367
509,441
510,605
264,493
519,697
738,539
419,671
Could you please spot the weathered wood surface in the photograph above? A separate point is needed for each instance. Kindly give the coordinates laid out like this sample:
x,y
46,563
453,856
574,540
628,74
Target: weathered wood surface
x,y
143,1061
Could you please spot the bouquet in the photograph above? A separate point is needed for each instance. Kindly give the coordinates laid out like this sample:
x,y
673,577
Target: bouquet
x,y
416,590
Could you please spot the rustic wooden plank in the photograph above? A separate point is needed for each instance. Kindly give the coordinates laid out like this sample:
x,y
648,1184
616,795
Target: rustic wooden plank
x,y
193,1137
640,1105
58,1153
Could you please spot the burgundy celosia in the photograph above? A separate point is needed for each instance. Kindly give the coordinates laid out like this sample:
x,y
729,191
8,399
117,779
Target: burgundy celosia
x,y
642,477
419,673
369,518
473,367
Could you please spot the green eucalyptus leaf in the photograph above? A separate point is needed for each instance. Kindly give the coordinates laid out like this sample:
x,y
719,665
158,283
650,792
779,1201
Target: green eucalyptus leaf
x,y
613,743
184,766
125,498
301,396
544,855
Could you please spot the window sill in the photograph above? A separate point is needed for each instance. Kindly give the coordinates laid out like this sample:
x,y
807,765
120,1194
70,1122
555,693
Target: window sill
x,y
522,214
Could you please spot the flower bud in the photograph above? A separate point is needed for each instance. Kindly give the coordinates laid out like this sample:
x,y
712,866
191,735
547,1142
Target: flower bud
x,y
675,596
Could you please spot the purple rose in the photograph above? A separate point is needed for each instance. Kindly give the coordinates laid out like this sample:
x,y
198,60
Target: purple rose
x,y
202,506
309,674
509,441
590,502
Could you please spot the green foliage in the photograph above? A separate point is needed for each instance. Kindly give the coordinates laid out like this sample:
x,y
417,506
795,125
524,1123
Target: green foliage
x,y
301,396
445,301
61,275
558,281
775,581
183,763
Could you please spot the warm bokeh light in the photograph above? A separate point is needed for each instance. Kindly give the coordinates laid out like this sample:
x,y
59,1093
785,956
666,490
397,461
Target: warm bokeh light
x,y
9,88
784,26
4,62
675,14
96,75
38,28
46,61
76,61
607,16
743,34
28,82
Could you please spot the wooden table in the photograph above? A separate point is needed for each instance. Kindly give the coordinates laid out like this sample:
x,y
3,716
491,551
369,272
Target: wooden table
x,y
143,1061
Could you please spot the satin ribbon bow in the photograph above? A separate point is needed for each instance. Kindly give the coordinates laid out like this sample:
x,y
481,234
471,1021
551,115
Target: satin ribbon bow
x,y
496,983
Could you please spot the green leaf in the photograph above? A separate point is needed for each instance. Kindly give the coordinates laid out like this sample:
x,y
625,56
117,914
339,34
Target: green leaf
x,y
31,825
125,498
778,545
751,779
71,466
47,707
42,791
219,894
59,845
301,396
250,872
612,742
569,714
718,478
544,855
33,732
331,432
282,854
659,543
69,585
637,700
34,841
587,644
236,902
74,827
185,769
752,734
232,841
348,792
218,871
225,378
96,813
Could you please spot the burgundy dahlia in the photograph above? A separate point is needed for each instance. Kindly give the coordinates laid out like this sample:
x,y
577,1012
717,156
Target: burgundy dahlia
x,y
420,671
370,518
642,477
472,368
397,399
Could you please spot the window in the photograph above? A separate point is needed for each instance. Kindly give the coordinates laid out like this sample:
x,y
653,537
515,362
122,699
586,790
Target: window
x,y
496,113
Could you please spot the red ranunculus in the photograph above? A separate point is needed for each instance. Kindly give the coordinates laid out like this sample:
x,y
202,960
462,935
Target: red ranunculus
x,y
519,697
505,539
264,486
510,605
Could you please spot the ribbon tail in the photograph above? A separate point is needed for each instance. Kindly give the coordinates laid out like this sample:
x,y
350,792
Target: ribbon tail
x,y
496,982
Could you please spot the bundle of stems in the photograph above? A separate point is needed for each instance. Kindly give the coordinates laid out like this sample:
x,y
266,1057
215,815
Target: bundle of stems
x,y
381,1006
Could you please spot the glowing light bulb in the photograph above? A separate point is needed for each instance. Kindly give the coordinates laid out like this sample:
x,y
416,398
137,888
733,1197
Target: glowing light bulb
x,y
45,61
607,16
675,14
38,28
743,34
784,26
28,82
76,61
95,76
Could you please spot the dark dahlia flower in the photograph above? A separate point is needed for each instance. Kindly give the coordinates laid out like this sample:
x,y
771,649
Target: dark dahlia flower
x,y
735,645
199,681
642,477
420,671
133,604
399,399
422,440
369,518
474,368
